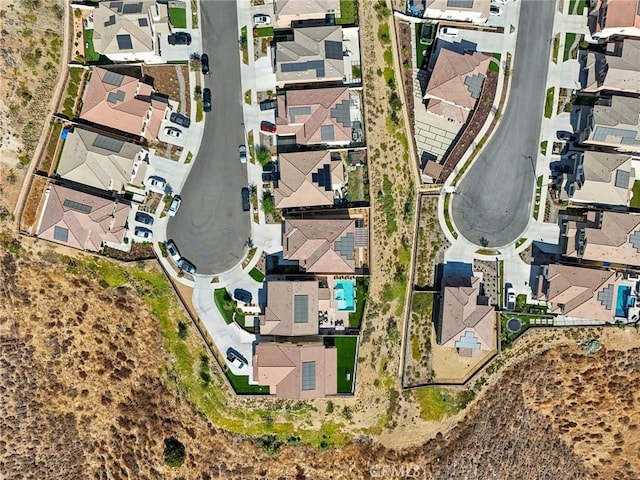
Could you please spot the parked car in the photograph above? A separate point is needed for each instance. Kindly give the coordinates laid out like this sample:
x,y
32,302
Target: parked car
x,y
180,119
144,218
187,266
236,359
175,205
206,100
172,250
495,10
242,153
156,184
204,61
242,295
267,127
566,136
143,233
270,172
268,104
449,32
173,132
261,19
179,38
246,203
510,298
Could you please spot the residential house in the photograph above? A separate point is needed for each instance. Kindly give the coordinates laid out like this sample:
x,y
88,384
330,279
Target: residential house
x,y
296,371
600,178
319,116
468,322
129,31
102,161
315,54
474,11
580,292
308,179
598,236
82,221
291,309
455,83
616,69
322,245
614,122
288,11
615,17
123,103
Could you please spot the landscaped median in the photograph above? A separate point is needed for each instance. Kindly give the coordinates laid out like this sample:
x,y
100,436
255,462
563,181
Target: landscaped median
x,y
447,216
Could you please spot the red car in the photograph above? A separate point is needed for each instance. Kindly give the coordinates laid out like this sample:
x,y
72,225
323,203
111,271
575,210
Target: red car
x,y
267,127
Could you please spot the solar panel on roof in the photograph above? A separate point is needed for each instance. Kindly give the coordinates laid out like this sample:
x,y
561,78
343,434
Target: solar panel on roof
x,y
116,6
132,8
317,65
115,97
460,3
474,84
605,296
112,78
124,42
300,308
108,143
333,50
341,113
627,137
345,246
622,179
110,21
295,111
60,234
308,375
79,207
327,133
634,239
143,22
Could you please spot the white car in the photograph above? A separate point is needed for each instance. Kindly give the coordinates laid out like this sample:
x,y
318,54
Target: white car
x,y
156,184
172,250
143,233
261,19
236,359
173,132
449,32
242,153
175,205
495,10
511,298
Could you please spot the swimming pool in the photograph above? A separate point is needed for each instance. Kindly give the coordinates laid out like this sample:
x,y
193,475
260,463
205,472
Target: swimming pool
x,y
343,292
623,300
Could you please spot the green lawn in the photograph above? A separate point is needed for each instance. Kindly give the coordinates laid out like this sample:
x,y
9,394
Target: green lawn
x,y
225,304
348,12
241,384
635,201
347,347
548,103
91,55
256,274
178,17
568,43
420,49
362,292
264,32
581,6
543,147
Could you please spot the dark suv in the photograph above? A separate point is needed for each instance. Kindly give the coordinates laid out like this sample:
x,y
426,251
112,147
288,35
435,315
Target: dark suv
x,y
179,38
246,203
206,100
242,295
268,104
180,119
204,61
270,172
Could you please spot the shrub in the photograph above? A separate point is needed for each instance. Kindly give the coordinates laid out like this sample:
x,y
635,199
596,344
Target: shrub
x,y
174,452
270,445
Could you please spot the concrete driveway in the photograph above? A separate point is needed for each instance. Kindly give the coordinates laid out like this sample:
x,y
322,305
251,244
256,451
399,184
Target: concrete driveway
x,y
492,204
211,229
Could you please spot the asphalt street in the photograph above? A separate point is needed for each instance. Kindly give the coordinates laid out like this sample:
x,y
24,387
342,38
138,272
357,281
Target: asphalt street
x,y
210,229
492,204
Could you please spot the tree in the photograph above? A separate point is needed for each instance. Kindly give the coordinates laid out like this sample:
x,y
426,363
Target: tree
x,y
268,203
174,452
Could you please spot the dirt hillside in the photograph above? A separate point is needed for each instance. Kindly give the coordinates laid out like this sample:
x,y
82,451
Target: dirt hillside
x,y
84,394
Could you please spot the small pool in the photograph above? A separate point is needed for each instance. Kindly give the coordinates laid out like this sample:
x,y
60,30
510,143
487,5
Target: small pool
x,y
343,292
622,302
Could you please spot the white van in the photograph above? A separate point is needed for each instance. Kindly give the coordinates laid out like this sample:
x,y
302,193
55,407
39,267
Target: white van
x,y
449,32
